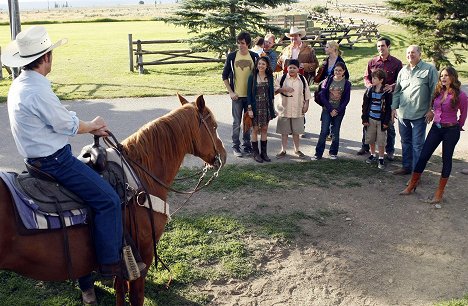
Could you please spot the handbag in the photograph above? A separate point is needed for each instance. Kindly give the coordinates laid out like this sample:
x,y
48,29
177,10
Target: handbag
x,y
317,94
319,74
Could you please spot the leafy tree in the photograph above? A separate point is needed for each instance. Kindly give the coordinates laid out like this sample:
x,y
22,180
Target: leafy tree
x,y
438,26
217,22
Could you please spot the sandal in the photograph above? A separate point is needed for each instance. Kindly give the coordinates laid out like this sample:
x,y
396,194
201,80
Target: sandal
x,y
281,154
300,154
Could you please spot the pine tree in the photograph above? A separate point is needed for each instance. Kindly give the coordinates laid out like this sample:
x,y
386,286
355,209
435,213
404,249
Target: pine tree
x,y
438,26
217,22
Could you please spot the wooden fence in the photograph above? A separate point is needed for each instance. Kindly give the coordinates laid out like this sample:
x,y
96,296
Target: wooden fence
x,y
320,28
323,27
137,49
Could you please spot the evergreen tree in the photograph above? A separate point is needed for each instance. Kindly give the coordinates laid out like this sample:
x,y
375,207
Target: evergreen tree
x,y
438,26
217,22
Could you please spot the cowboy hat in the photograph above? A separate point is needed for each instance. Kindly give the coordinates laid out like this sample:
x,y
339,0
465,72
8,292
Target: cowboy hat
x,y
295,30
29,45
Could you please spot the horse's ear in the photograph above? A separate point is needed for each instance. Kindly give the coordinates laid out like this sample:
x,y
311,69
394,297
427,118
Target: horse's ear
x,y
200,103
182,99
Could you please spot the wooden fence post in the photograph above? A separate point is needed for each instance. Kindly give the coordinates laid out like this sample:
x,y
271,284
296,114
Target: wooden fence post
x,y
139,58
130,51
1,69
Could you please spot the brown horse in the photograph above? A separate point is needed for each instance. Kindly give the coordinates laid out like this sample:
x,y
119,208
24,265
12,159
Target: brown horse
x,y
160,147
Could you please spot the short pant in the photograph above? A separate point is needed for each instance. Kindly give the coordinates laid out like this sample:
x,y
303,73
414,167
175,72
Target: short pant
x,y
374,133
290,125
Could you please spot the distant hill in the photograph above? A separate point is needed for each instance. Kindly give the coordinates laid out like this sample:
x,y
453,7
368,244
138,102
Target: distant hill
x,y
44,4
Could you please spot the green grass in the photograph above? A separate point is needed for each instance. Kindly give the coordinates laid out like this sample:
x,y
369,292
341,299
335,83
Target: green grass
x,y
277,176
95,62
455,302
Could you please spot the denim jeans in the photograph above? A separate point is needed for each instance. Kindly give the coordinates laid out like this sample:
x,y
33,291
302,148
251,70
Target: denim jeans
x,y
449,137
412,133
97,193
391,134
335,123
239,106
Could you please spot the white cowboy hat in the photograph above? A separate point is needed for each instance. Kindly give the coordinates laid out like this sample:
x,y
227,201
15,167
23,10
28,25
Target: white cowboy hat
x,y
29,45
295,30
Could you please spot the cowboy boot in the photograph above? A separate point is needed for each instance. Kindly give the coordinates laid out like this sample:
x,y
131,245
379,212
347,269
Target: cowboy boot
x,y
440,191
413,183
256,153
264,155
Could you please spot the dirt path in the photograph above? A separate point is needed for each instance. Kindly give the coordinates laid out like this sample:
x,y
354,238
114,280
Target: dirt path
x,y
378,248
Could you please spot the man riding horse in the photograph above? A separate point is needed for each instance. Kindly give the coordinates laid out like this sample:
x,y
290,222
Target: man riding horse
x,y
41,128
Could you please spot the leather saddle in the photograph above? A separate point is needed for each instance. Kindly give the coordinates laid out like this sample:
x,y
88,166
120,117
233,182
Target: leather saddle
x,y
51,197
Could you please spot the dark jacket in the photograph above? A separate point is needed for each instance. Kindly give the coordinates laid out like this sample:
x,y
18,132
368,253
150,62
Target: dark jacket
x,y
252,93
228,71
385,107
325,96
325,67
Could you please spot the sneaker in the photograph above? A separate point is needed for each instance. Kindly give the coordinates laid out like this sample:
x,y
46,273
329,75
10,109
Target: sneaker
x,y
381,164
248,150
237,152
370,159
390,156
281,154
315,157
300,154
362,151
333,156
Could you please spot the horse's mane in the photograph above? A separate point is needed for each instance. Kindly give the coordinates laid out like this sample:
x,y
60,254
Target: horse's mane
x,y
165,138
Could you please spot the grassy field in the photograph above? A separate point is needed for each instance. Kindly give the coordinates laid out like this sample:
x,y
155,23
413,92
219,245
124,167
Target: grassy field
x,y
95,62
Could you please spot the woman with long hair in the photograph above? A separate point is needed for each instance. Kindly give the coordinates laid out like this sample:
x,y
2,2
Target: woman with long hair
x,y
260,96
333,52
448,102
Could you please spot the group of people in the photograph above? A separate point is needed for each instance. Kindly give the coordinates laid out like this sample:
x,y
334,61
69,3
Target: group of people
x,y
414,94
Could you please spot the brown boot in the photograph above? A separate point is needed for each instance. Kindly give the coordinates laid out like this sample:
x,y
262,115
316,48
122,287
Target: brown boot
x,y
440,191
413,183
256,154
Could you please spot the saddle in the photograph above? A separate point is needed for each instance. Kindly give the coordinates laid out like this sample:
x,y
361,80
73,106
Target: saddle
x,y
42,203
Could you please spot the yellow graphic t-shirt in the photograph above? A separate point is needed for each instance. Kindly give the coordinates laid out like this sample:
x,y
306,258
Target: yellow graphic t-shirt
x,y
243,66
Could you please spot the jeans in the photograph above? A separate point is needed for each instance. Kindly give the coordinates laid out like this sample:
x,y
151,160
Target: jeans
x,y
239,107
412,133
335,123
449,137
391,134
97,193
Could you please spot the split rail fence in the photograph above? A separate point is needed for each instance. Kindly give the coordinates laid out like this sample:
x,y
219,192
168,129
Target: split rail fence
x,y
320,28
139,48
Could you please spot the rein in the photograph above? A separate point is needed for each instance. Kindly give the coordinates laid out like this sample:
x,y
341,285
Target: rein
x,y
218,161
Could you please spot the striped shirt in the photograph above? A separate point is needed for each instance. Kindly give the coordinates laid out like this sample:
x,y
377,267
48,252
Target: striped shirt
x,y
376,105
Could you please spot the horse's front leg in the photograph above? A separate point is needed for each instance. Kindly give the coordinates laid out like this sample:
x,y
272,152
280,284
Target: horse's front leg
x,y
137,292
121,289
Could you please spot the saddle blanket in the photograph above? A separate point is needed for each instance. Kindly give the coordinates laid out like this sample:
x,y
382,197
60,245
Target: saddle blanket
x,y
32,216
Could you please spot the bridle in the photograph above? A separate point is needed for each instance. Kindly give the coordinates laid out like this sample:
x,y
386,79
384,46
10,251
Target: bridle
x,y
218,163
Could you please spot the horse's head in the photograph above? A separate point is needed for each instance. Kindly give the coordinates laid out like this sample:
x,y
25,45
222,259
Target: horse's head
x,y
208,147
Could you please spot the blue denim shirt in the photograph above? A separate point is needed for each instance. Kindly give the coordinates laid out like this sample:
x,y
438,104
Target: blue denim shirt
x,y
414,89
40,124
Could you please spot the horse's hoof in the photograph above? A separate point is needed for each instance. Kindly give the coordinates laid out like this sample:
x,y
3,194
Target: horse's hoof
x,y
89,297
